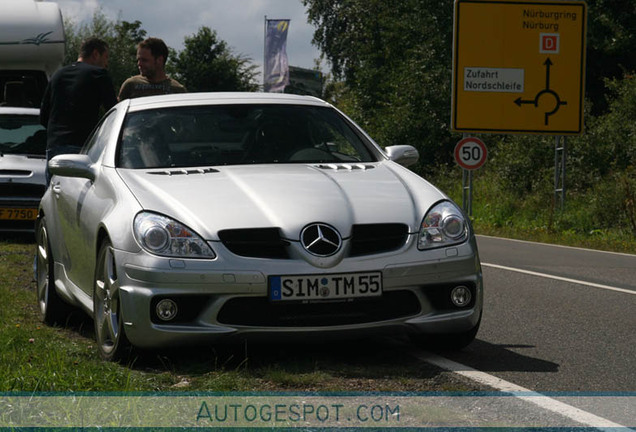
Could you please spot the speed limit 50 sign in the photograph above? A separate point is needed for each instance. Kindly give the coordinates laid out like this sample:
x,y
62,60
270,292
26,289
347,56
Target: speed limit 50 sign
x,y
470,153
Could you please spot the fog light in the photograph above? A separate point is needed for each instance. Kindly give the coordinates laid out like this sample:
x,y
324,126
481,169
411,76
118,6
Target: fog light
x,y
461,296
166,309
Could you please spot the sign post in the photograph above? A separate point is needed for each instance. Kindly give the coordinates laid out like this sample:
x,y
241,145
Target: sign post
x,y
519,67
560,154
470,154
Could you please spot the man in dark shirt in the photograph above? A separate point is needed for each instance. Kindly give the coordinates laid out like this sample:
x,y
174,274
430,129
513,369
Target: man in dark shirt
x,y
72,100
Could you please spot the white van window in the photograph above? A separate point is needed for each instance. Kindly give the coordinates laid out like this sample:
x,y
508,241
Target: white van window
x,y
22,134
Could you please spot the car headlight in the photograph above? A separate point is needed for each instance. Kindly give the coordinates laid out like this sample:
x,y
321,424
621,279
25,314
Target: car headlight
x,y
443,225
163,236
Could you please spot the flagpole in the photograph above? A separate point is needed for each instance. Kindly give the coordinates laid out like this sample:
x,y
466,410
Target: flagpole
x,y
264,49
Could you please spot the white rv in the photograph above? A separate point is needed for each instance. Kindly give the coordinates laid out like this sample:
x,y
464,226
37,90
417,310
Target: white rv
x,y
31,49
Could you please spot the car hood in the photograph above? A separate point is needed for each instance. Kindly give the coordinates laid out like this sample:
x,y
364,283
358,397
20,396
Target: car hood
x,y
284,196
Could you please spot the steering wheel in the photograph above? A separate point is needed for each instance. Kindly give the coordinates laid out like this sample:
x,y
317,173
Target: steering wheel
x,y
312,154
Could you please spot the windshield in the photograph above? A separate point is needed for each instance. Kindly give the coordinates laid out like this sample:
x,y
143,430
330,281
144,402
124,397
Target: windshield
x,y
22,134
239,134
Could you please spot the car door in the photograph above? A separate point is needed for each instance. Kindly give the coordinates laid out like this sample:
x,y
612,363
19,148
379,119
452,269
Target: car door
x,y
76,209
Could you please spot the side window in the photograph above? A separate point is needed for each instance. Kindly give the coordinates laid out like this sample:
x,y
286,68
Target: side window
x,y
102,133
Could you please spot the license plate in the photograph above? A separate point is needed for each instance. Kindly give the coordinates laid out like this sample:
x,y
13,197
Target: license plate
x,y
18,213
325,286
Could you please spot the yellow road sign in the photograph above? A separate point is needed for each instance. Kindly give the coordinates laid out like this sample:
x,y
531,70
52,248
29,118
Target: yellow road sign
x,y
519,66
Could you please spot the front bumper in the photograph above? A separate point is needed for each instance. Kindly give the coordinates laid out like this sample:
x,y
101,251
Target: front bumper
x,y
226,300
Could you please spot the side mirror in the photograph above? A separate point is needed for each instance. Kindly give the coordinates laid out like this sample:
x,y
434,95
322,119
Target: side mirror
x,y
72,165
405,155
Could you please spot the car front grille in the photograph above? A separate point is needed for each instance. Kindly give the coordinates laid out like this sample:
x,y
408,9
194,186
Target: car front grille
x,y
255,242
377,238
22,190
259,311
366,239
17,225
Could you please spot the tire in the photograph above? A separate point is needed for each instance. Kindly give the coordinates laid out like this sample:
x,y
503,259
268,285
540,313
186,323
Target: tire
x,y
52,309
447,341
107,314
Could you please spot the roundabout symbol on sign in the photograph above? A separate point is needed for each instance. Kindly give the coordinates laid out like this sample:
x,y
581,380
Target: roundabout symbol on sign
x,y
470,153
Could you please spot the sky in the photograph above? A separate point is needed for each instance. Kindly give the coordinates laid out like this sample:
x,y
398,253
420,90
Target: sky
x,y
237,22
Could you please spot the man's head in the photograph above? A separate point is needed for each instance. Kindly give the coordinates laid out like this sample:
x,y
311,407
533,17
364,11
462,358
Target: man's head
x,y
152,54
94,51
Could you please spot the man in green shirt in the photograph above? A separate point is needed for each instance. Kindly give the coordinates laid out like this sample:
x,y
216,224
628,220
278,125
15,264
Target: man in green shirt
x,y
152,54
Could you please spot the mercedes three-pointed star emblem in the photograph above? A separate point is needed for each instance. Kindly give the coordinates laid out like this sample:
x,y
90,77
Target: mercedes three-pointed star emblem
x,y
320,239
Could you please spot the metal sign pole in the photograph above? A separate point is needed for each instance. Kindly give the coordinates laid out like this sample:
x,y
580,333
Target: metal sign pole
x,y
467,192
470,194
470,154
560,157
563,170
465,185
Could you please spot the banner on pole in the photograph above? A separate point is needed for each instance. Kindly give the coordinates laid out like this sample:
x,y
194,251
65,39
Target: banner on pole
x,y
276,65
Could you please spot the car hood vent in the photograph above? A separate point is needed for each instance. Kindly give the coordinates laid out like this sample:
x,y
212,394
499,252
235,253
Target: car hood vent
x,y
15,173
345,167
184,171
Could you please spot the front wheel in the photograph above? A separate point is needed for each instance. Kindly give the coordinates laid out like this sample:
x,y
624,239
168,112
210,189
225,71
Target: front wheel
x,y
53,310
107,314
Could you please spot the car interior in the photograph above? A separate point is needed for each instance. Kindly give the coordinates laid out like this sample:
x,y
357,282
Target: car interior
x,y
237,135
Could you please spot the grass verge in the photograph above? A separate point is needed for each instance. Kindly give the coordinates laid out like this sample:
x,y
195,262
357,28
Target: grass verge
x,y
594,219
38,358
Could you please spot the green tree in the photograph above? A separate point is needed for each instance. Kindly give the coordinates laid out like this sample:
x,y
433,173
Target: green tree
x,y
394,58
611,47
208,64
123,47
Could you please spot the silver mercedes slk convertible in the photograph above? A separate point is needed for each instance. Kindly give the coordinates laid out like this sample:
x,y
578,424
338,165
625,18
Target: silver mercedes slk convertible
x,y
207,217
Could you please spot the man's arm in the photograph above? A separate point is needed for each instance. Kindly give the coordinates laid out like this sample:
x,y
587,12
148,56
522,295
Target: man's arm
x,y
124,91
107,91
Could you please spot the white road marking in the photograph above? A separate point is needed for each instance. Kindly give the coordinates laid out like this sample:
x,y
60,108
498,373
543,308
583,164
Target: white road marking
x,y
559,278
544,402
560,246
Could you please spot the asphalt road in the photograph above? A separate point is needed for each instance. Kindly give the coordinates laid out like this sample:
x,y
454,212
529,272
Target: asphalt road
x,y
556,319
